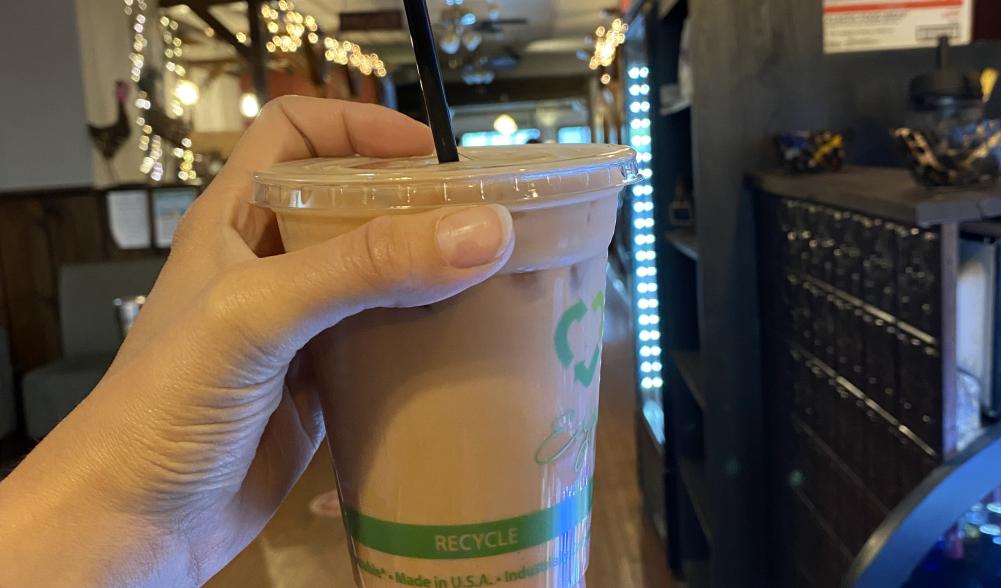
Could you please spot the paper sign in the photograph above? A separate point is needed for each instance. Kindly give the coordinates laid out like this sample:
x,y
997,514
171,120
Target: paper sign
x,y
871,25
169,205
128,215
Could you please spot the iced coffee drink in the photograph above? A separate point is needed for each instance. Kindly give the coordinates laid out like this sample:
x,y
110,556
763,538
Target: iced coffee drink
x,y
462,433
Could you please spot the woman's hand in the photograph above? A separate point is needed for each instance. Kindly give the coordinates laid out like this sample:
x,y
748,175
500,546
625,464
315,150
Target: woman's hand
x,y
208,415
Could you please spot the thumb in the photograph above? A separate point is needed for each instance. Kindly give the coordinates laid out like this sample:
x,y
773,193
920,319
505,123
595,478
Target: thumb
x,y
279,303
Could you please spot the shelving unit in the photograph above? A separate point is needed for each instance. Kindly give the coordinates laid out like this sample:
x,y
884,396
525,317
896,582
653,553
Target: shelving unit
x,y
690,368
685,241
758,69
656,463
697,572
693,474
666,6
707,432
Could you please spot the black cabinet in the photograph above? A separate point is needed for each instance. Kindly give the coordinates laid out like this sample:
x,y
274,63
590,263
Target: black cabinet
x,y
857,283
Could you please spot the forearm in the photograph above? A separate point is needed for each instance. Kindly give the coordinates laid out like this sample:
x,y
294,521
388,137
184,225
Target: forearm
x,y
60,548
62,525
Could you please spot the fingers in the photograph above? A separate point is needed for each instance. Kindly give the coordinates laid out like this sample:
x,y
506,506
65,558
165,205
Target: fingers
x,y
284,452
297,127
301,383
278,304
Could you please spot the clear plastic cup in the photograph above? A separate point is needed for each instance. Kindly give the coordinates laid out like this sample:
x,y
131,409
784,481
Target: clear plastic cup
x,y
462,433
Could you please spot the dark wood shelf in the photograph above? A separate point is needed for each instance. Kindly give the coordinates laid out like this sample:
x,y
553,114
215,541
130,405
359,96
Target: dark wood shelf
x,y
884,192
675,107
693,474
822,523
890,420
982,229
667,6
690,366
651,421
659,526
904,326
685,241
696,573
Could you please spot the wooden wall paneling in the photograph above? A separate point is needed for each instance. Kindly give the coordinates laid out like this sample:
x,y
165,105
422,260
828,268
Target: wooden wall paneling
x,y
759,69
753,63
73,227
38,234
29,283
987,19
866,94
4,309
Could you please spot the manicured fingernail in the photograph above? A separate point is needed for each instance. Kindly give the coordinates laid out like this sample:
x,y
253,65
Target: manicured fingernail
x,y
474,236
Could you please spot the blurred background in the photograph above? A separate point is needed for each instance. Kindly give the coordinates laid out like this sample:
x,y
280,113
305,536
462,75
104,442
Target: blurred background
x,y
801,378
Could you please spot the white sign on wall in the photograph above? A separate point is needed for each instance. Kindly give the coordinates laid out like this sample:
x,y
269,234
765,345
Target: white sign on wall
x,y
872,25
128,217
169,206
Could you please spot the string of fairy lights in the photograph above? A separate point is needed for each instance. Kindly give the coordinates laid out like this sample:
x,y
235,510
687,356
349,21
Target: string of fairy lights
x,y
151,140
185,91
289,29
606,43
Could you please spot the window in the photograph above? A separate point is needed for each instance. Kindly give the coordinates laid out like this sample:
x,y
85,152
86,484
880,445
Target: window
x,y
480,139
574,135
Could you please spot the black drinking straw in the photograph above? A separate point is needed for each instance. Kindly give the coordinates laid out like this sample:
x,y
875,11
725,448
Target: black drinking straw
x,y
432,86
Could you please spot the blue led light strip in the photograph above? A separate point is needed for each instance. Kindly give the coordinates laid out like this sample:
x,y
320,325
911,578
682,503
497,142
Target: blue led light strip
x,y
645,300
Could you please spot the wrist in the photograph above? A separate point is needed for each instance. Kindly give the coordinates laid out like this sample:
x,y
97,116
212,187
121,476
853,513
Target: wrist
x,y
60,527
91,550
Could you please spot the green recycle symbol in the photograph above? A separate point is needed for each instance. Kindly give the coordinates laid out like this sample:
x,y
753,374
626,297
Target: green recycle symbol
x,y
584,372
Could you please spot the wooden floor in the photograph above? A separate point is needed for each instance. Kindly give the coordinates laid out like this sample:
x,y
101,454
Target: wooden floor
x,y
301,550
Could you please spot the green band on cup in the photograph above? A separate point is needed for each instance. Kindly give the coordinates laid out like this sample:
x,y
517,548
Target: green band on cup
x,y
470,541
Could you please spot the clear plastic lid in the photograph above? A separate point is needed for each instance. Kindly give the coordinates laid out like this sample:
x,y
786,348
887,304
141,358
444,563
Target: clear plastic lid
x,y
527,175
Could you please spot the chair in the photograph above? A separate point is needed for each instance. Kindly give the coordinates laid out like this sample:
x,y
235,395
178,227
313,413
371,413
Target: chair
x,y
90,337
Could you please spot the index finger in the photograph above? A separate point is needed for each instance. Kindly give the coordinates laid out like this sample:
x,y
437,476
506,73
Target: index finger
x,y
298,127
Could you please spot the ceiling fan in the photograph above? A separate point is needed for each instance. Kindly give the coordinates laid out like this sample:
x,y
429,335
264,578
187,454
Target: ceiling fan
x,y
462,28
493,25
501,58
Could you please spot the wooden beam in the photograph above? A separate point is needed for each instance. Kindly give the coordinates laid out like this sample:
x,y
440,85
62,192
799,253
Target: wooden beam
x,y
258,53
192,4
949,245
211,63
221,31
315,60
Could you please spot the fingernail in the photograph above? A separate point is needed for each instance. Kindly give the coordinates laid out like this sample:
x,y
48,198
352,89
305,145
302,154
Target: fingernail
x,y
474,236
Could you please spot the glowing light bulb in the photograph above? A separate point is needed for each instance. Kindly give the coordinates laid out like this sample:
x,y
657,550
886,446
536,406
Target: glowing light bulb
x,y
471,40
505,125
450,42
249,106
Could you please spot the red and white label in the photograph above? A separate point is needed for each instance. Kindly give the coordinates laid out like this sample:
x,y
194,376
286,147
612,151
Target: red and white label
x,y
871,25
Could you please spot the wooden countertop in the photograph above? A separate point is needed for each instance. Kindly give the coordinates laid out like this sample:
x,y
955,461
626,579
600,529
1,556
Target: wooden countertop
x,y
889,193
